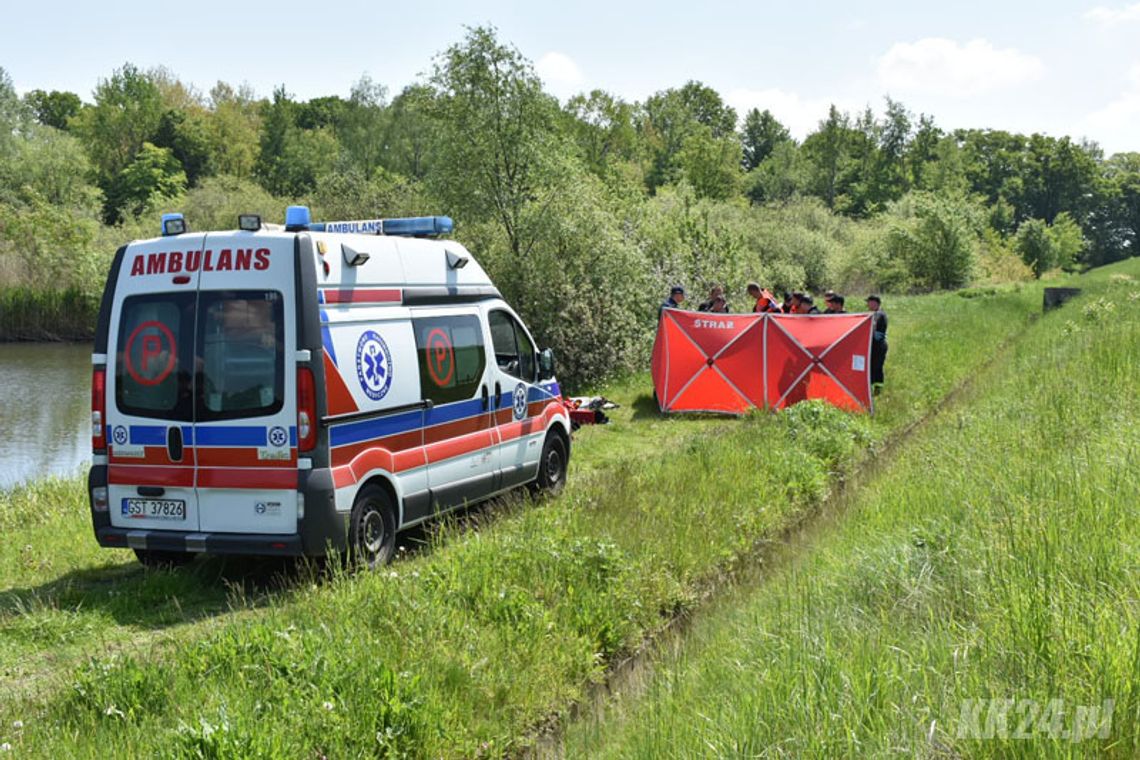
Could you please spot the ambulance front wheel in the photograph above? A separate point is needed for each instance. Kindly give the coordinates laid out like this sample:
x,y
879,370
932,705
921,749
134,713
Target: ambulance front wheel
x,y
552,466
372,528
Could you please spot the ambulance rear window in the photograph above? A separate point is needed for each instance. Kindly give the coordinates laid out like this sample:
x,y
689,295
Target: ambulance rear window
x,y
153,356
242,355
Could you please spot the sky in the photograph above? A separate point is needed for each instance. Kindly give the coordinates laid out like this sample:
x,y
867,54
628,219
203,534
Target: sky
x,y
1062,68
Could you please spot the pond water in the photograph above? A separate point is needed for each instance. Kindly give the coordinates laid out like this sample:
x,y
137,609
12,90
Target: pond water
x,y
45,410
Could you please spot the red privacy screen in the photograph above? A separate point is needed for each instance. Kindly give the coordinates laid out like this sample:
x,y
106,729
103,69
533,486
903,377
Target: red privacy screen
x,y
731,363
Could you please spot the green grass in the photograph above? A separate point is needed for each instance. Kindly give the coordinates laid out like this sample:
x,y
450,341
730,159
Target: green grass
x,y
994,559
36,314
464,648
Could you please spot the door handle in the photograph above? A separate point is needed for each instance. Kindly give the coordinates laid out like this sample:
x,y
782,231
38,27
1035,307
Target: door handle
x,y
151,490
498,393
174,443
486,400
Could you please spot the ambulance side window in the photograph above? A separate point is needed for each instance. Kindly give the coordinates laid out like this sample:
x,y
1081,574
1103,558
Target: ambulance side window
x,y
153,356
451,355
514,353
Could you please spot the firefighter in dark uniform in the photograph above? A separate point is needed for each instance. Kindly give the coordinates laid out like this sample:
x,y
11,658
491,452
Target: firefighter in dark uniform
x,y
674,301
878,340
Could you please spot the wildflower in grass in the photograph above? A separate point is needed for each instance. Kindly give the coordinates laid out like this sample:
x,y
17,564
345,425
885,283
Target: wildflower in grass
x,y
393,574
328,706
5,747
17,724
114,711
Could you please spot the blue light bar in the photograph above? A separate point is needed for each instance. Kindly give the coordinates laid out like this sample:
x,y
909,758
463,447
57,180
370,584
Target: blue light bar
x,y
173,224
297,218
419,226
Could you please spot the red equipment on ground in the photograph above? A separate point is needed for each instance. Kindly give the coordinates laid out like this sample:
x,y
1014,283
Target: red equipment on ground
x,y
730,363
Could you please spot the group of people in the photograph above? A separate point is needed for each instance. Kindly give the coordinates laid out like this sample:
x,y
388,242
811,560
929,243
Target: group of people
x,y
796,302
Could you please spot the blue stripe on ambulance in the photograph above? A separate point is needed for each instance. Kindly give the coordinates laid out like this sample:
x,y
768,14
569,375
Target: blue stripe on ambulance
x,y
230,435
155,435
406,422
367,430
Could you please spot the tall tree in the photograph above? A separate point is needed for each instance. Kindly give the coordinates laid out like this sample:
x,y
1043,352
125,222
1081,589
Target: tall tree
x,y
497,133
603,128
828,149
923,152
410,132
185,132
234,128
711,164
361,125
55,108
127,110
760,135
671,116
12,114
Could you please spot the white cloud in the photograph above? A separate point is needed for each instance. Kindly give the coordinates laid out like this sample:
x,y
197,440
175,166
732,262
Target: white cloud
x,y
1109,16
560,74
800,115
1114,125
939,66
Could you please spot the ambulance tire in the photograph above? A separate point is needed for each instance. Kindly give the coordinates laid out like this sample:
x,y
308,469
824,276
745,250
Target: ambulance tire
x,y
372,528
551,466
160,559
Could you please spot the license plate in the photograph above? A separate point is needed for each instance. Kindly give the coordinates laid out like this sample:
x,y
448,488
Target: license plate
x,y
154,509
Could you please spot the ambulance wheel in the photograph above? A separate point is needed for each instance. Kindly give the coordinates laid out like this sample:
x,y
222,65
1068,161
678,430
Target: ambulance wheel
x,y
372,528
160,559
551,466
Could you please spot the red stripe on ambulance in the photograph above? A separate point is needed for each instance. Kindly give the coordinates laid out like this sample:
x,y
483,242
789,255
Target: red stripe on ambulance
x,y
149,475
240,456
364,295
246,478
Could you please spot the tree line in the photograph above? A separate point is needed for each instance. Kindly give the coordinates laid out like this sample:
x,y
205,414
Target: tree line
x,y
582,211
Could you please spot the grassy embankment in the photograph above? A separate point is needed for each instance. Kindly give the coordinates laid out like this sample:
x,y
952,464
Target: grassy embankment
x,y
976,598
31,314
463,648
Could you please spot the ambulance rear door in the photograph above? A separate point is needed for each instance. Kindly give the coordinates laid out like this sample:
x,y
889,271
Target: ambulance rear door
x,y
150,387
245,427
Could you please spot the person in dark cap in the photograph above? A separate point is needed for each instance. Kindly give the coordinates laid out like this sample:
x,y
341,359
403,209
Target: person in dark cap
x,y
674,301
878,340
834,304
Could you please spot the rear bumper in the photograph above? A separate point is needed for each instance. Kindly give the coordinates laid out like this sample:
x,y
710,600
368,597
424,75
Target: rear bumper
x,y
321,530
214,543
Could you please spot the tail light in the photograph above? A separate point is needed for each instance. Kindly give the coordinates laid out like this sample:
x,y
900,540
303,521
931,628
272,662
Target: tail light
x,y
99,409
306,410
99,498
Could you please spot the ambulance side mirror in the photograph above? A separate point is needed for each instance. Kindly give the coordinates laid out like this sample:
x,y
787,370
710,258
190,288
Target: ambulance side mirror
x,y
546,364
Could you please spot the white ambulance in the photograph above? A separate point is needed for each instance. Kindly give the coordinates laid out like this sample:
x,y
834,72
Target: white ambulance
x,y
311,388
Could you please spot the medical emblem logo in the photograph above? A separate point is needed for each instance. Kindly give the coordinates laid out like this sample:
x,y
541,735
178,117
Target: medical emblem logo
x,y
520,401
278,436
373,365
120,435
